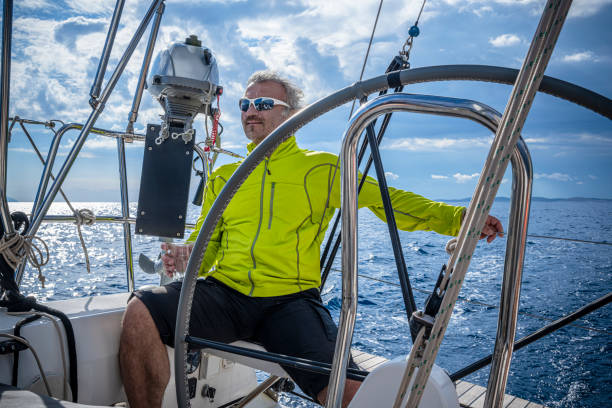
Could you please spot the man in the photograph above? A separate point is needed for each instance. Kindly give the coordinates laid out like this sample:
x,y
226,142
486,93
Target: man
x,y
262,263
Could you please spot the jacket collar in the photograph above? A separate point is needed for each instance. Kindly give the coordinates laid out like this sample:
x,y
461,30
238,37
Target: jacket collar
x,y
284,149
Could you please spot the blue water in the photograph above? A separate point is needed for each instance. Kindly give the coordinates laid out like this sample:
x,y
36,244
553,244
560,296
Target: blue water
x,y
570,368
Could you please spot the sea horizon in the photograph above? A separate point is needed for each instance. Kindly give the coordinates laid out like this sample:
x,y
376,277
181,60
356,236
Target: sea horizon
x,y
501,198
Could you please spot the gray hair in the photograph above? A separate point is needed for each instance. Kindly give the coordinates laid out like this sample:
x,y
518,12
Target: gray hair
x,y
294,94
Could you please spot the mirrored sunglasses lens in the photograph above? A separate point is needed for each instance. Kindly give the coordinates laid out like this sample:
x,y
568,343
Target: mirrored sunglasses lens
x,y
244,104
263,104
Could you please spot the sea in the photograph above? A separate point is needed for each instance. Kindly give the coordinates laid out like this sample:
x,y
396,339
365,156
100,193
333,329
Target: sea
x,y
571,367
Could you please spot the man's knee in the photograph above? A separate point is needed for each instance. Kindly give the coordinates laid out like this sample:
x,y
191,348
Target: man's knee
x,y
137,319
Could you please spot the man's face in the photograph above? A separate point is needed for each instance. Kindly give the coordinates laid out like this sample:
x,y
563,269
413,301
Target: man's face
x,y
259,124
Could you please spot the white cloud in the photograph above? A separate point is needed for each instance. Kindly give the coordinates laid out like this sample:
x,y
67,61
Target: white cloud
x,y
587,8
438,177
82,155
505,40
92,6
465,3
21,150
580,57
99,143
464,178
414,144
594,139
290,43
480,12
196,2
580,8
391,176
554,176
592,177
34,4
537,140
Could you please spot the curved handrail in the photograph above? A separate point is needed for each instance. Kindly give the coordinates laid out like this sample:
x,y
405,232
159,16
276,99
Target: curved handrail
x,y
521,165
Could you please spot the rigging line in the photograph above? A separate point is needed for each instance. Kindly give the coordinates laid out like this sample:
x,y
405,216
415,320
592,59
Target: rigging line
x,y
475,302
420,12
538,334
83,216
365,59
571,239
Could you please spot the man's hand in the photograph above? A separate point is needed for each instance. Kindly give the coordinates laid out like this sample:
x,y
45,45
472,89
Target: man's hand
x,y
492,228
175,257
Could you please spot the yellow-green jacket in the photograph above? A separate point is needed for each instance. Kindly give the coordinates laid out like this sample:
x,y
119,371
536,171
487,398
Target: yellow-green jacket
x,y
268,241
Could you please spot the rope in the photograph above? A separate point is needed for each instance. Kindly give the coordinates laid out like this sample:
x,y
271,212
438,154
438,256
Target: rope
x,y
16,247
86,217
365,59
451,245
215,127
83,216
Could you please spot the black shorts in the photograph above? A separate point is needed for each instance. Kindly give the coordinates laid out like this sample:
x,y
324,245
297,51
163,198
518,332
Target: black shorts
x,y
296,325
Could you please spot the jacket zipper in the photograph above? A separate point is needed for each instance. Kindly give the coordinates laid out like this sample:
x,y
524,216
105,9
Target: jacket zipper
x,y
263,181
271,205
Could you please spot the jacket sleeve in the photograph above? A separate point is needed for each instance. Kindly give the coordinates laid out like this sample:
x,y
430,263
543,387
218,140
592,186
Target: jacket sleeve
x,y
412,211
213,186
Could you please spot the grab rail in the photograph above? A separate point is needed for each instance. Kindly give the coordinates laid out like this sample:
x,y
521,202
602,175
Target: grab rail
x,y
521,197
46,173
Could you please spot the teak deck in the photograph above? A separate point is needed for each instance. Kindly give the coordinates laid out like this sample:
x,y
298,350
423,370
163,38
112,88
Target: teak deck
x,y
470,395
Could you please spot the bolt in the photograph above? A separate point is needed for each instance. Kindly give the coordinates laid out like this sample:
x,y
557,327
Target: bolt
x,y
187,152
139,229
150,148
180,217
178,234
142,213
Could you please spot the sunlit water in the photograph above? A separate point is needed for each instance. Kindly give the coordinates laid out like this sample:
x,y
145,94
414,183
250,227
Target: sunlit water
x,y
570,368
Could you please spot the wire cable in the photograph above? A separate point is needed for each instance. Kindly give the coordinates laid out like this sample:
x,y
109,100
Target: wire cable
x,y
35,354
571,239
61,343
475,302
365,59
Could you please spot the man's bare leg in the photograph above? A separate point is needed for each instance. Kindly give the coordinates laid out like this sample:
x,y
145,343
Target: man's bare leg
x,y
143,360
350,389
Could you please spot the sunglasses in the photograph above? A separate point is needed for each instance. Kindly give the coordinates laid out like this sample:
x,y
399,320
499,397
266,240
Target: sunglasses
x,y
260,104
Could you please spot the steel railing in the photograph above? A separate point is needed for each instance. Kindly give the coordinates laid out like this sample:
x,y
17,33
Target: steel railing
x,y
517,231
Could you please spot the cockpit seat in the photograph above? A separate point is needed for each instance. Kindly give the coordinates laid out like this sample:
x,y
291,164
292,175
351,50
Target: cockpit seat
x,y
11,397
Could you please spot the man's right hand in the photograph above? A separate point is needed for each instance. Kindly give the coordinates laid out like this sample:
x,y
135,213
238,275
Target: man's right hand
x,y
175,257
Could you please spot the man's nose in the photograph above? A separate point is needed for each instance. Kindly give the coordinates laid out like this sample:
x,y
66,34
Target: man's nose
x,y
251,109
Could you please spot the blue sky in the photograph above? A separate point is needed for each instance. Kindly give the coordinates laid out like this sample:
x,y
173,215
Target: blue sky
x,y
320,44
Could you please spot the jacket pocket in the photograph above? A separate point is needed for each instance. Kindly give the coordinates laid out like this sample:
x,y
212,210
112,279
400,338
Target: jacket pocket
x,y
271,205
